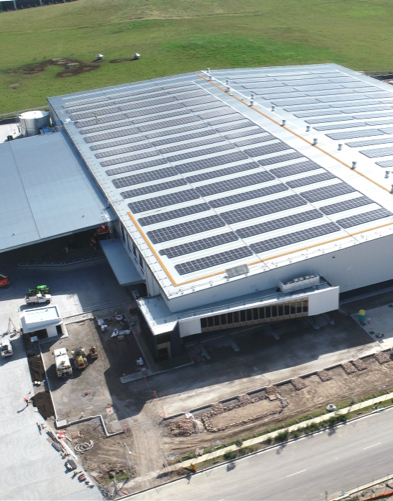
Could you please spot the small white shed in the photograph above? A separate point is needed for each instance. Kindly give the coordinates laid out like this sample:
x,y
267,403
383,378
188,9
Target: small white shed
x,y
36,321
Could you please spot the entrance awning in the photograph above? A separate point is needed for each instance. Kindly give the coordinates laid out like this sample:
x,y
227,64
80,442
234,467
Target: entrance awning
x,y
120,262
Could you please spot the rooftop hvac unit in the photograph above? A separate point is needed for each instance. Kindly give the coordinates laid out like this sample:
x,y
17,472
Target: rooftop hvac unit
x,y
299,283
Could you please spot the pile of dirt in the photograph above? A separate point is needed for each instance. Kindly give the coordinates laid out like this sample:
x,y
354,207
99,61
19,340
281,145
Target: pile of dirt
x,y
298,383
324,376
44,405
36,367
182,427
359,364
271,392
382,357
244,400
348,368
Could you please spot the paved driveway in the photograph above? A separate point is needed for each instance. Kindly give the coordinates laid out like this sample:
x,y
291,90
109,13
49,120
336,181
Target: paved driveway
x,y
30,468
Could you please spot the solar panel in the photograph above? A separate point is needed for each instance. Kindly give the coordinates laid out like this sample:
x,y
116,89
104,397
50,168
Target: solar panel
x,y
297,183
365,116
354,134
119,142
159,116
341,126
200,153
276,224
138,156
148,103
72,104
279,158
370,142
248,195
205,106
243,133
99,113
111,135
156,110
214,260
267,149
367,109
380,122
385,163
205,163
138,166
318,106
333,190
199,100
320,113
182,230
145,177
233,184
320,120
100,120
183,138
292,238
163,201
216,112
254,140
235,117
198,245
363,218
180,130
120,151
290,170
346,205
288,102
236,126
194,144
222,172
153,188
173,214
189,95
168,123
377,152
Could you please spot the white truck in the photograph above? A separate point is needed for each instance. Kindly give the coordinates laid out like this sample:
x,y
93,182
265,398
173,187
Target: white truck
x,y
6,348
38,298
63,364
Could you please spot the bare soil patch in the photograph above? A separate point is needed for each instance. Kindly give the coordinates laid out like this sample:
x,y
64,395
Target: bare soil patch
x,y
44,404
108,457
261,411
36,367
349,368
247,415
71,67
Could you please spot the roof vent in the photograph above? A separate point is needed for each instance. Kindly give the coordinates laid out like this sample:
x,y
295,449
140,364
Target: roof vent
x,y
387,173
308,128
354,164
315,141
284,123
252,99
273,107
237,270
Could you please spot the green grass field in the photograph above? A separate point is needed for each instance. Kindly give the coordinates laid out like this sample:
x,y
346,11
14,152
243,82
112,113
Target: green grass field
x,y
178,36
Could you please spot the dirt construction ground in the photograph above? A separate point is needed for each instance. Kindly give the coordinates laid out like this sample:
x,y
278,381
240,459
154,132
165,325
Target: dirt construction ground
x,y
237,379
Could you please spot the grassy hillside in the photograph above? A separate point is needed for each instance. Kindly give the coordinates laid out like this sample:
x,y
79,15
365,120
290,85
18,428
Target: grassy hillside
x,y
177,36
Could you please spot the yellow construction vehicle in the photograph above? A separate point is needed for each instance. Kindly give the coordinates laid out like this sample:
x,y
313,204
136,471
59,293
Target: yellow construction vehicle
x,y
80,360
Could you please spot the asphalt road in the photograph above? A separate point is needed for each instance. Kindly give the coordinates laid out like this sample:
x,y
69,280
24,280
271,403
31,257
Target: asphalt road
x,y
319,467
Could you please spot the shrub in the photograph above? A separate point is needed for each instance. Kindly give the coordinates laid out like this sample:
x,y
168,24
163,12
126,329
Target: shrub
x,y
282,436
239,443
268,441
311,428
230,455
297,433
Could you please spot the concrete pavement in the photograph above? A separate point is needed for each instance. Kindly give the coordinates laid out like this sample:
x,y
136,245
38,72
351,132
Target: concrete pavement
x,y
319,467
30,468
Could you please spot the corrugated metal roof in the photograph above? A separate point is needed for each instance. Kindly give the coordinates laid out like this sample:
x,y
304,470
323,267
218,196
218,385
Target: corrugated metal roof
x,y
204,182
46,191
121,264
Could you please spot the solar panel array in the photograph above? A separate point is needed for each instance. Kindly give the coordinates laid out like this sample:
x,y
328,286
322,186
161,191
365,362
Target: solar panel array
x,y
208,185
331,102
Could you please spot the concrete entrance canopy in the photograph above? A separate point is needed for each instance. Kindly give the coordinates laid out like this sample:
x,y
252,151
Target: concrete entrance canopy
x,y
120,262
42,318
160,320
47,191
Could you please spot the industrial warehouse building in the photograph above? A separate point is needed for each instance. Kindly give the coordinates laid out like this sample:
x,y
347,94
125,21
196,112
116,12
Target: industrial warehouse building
x,y
239,196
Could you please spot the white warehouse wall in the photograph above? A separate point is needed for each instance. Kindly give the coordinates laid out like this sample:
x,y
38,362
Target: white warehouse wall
x,y
350,268
190,327
323,301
